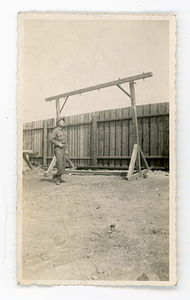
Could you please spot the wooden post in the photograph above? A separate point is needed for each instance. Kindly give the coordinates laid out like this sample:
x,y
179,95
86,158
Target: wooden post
x,y
132,162
94,140
45,143
57,108
134,112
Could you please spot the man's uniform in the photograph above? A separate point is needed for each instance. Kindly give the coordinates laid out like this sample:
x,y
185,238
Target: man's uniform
x,y
58,136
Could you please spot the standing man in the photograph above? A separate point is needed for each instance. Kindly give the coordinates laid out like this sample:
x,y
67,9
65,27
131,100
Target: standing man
x,y
59,139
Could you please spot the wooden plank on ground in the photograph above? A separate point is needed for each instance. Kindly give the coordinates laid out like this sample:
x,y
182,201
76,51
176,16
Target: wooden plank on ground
x,y
97,172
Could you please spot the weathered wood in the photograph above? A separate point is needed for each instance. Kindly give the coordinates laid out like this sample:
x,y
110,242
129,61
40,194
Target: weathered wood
x,y
146,130
153,131
112,136
125,135
114,168
101,137
143,172
45,144
57,108
102,121
64,104
82,139
139,122
134,114
33,137
85,130
101,86
89,126
107,138
52,164
98,172
118,136
26,159
123,90
133,160
144,159
94,140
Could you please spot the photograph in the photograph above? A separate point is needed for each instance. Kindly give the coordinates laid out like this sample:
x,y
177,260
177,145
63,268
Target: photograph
x,y
96,149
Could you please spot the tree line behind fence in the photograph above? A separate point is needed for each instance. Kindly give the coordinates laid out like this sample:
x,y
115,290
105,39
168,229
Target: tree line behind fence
x,y
105,138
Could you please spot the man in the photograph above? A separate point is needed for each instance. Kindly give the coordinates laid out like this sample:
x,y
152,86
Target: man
x,y
59,139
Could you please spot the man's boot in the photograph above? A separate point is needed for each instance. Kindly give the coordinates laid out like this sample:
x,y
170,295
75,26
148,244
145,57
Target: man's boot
x,y
58,180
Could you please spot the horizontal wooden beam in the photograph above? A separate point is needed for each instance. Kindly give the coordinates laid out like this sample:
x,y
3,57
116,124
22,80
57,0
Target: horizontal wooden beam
x,y
101,86
114,168
107,172
112,157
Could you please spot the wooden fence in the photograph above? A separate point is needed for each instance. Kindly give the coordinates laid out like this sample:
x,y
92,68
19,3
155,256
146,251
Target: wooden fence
x,y
106,138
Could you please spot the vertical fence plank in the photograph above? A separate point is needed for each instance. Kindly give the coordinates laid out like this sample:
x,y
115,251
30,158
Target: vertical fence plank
x,y
75,140
118,140
82,135
45,143
101,138
89,139
106,138
153,133
94,140
85,130
132,134
146,131
160,132
112,136
72,137
166,132
125,136
139,121
78,140
41,142
68,133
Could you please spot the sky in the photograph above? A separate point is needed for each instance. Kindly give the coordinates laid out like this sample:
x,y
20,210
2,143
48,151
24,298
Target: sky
x,y
64,55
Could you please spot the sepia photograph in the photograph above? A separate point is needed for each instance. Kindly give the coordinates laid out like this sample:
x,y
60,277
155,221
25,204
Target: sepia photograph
x,y
96,149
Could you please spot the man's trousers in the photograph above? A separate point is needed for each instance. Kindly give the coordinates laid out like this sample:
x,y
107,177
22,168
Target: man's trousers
x,y
60,154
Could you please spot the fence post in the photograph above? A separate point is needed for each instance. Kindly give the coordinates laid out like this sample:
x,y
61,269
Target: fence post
x,y
45,142
94,140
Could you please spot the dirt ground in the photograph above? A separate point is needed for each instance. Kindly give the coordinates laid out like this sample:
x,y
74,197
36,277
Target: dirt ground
x,y
96,228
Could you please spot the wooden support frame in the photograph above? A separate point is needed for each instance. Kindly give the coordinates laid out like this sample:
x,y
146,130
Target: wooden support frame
x,y
137,152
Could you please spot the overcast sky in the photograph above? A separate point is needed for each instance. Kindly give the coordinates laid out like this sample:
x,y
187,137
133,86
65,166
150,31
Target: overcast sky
x,y
61,56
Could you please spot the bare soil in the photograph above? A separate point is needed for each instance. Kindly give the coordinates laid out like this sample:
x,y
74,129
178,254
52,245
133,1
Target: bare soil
x,y
96,228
